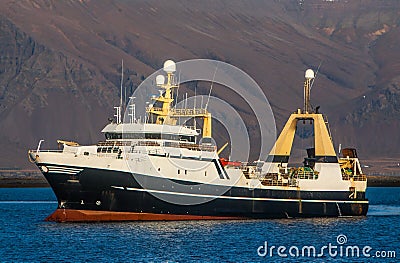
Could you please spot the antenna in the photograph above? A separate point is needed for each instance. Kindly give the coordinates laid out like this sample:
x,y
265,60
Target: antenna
x,y
312,82
195,93
309,76
132,109
177,95
147,117
122,79
177,89
119,110
125,96
211,87
118,114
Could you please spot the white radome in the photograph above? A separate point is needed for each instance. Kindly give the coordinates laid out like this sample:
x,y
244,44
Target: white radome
x,y
309,74
169,66
160,80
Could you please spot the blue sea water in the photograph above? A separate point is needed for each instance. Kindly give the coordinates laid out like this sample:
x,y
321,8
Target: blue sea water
x,y
26,237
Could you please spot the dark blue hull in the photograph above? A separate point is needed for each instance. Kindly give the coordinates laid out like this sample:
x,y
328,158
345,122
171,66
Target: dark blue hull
x,y
114,191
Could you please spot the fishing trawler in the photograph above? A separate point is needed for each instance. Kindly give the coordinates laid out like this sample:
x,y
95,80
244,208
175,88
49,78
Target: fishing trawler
x,y
161,170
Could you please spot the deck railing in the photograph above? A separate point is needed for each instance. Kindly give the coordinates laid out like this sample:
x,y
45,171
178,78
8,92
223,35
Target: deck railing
x,y
310,175
268,182
40,151
358,177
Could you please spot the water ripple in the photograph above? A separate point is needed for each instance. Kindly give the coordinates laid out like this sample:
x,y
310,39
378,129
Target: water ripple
x,y
383,210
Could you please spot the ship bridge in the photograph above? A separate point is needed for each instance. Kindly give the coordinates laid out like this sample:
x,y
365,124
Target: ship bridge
x,y
114,131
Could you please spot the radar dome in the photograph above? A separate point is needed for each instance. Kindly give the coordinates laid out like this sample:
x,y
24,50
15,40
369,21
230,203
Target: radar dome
x,y
169,66
309,74
160,80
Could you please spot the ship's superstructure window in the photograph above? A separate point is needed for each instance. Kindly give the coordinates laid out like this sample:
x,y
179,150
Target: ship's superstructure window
x,y
156,136
106,150
113,136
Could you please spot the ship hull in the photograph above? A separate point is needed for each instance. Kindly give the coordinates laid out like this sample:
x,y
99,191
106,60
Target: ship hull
x,y
105,195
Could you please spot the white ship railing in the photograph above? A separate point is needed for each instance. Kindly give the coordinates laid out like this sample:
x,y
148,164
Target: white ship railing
x,y
179,112
347,177
310,175
41,151
268,182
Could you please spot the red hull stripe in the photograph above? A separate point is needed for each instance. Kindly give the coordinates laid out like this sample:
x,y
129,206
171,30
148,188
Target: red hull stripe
x,y
69,215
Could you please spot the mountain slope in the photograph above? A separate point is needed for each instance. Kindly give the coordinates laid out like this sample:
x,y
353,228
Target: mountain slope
x,y
60,62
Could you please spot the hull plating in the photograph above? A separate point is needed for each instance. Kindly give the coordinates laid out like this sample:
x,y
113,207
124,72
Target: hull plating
x,y
101,195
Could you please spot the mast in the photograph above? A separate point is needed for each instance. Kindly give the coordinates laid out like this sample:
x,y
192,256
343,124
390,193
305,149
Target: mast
x,y
122,80
307,86
118,110
163,113
167,115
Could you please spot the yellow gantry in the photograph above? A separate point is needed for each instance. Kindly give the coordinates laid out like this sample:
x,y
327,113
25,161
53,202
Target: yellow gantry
x,y
322,140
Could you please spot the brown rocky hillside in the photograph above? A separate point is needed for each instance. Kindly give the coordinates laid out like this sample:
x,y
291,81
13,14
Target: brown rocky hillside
x,y
60,62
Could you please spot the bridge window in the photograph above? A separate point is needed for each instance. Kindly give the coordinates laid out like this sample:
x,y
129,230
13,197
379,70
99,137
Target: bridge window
x,y
113,135
154,136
